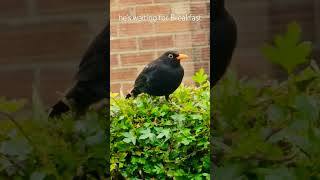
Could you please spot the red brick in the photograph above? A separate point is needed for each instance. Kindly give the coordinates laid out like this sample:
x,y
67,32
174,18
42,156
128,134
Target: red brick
x,y
54,83
114,60
199,8
173,26
123,45
195,54
46,6
190,53
301,12
121,12
135,28
114,30
166,1
183,40
205,23
54,40
112,2
200,39
186,37
16,84
136,59
242,62
126,2
153,10
202,65
195,25
123,74
13,8
126,87
198,54
205,54
193,67
156,42
115,87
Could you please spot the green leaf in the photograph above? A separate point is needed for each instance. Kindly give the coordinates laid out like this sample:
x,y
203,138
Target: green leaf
x,y
164,133
179,173
159,169
196,116
5,164
307,108
287,51
146,133
276,113
281,173
180,118
16,147
98,138
129,138
229,172
11,106
38,175
200,77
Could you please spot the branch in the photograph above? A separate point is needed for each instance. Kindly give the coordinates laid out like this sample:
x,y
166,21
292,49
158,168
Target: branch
x,y
10,117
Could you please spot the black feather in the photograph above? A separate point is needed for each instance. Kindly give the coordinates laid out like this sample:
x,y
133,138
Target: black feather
x,y
224,38
91,80
159,78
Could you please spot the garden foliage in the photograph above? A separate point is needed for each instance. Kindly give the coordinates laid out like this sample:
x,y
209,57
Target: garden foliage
x,y
270,130
259,130
154,138
41,149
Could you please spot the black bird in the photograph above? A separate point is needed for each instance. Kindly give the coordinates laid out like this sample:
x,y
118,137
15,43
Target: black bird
x,y
224,37
161,77
91,81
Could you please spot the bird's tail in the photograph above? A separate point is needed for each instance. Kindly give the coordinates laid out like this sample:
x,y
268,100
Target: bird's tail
x,y
133,93
59,108
128,96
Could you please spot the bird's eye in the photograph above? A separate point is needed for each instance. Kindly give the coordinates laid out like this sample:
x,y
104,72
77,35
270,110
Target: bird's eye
x,y
170,56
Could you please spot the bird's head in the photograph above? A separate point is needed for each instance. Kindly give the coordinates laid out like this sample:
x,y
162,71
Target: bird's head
x,y
220,9
174,57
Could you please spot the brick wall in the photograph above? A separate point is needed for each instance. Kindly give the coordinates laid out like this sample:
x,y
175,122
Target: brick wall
x,y
135,44
41,43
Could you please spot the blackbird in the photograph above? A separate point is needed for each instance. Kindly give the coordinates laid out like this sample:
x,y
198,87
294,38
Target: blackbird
x,y
91,81
161,77
224,38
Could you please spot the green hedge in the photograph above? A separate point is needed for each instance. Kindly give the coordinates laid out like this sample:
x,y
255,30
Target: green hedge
x,y
270,130
153,138
40,149
150,137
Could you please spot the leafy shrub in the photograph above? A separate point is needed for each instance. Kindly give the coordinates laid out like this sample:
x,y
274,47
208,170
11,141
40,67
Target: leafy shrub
x,y
38,148
153,138
270,131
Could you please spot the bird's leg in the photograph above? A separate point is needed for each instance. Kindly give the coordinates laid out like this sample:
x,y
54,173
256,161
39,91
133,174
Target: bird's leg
x,y
167,98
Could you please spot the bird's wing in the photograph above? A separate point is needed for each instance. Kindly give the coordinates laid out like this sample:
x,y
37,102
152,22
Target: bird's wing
x,y
147,75
93,65
224,44
91,79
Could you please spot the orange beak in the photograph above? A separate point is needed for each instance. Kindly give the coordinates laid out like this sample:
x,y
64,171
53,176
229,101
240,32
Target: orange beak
x,y
182,57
